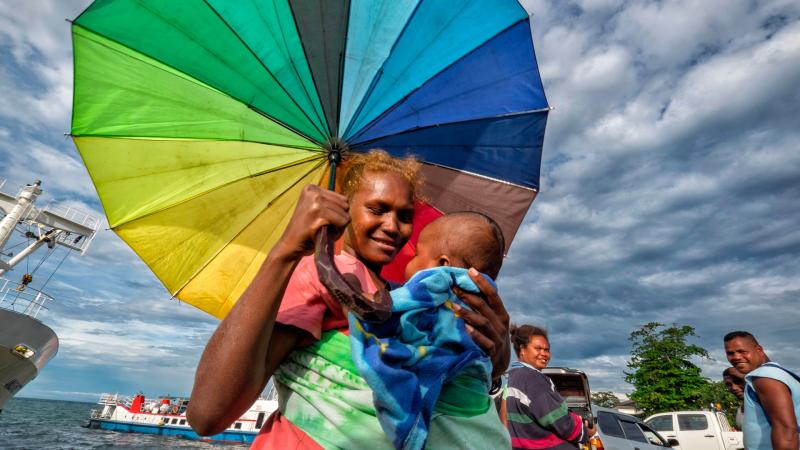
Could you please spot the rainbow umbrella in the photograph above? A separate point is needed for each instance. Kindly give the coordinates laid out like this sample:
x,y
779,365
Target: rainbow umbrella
x,y
200,121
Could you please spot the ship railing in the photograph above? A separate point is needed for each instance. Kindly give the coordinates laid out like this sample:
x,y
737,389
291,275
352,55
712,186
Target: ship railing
x,y
95,414
114,399
23,299
88,223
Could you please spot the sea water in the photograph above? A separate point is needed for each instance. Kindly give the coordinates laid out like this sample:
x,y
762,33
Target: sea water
x,y
27,423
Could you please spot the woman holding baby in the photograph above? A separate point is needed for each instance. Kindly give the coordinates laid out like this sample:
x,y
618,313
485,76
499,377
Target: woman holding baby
x,y
287,326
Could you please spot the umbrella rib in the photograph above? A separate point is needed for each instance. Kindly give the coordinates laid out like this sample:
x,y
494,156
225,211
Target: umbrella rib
x,y
220,186
261,63
194,80
436,125
191,139
402,100
197,166
208,261
477,175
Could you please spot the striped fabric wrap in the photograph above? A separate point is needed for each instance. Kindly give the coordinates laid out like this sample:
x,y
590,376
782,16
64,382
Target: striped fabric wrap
x,y
538,417
321,392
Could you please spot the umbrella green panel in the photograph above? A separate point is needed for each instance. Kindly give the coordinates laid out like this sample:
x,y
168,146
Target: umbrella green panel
x,y
371,32
191,37
120,92
323,28
268,29
438,34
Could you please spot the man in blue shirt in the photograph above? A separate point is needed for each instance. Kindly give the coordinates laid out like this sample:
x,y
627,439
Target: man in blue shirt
x,y
772,395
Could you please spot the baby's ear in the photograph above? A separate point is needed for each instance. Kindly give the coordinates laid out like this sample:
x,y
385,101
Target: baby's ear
x,y
444,260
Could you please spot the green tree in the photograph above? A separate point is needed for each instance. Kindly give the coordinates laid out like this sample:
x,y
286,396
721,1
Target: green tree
x,y
605,398
663,375
715,393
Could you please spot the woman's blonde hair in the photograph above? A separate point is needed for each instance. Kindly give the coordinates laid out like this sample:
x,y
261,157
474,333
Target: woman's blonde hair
x,y
377,160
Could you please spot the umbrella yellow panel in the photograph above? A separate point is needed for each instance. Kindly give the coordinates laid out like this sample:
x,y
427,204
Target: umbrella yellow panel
x,y
216,288
138,177
179,242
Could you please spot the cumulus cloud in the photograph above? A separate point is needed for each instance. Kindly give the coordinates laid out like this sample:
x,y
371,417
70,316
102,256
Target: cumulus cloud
x,y
669,179
36,35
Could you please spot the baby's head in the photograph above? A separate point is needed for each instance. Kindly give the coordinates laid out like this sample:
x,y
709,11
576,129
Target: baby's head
x,y
463,239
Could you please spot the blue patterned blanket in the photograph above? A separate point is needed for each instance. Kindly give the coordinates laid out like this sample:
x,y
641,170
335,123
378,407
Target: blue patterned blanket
x,y
407,359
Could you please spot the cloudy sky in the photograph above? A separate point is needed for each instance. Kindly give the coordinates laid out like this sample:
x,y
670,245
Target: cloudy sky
x,y
669,193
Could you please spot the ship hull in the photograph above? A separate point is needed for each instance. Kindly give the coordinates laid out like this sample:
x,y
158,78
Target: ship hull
x,y
16,370
228,436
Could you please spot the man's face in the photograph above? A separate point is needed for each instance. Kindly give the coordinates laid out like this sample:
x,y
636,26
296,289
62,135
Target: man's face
x,y
744,354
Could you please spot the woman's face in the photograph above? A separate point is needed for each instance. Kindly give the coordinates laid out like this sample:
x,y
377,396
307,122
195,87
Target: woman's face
x,y
536,353
381,213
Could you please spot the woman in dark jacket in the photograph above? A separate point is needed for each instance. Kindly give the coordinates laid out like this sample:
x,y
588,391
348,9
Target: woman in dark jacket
x,y
537,415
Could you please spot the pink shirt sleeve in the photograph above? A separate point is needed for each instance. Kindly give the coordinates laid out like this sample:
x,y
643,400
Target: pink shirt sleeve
x,y
307,304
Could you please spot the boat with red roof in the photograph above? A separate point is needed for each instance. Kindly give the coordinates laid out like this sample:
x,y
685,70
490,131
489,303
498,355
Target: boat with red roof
x,y
166,416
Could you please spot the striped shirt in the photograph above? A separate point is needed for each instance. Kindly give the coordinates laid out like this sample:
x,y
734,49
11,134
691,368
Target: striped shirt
x,y
538,417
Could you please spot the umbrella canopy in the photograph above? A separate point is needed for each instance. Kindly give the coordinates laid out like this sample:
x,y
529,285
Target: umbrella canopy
x,y
200,121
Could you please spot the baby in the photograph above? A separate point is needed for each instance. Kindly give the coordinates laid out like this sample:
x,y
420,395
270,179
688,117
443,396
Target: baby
x,y
463,239
408,360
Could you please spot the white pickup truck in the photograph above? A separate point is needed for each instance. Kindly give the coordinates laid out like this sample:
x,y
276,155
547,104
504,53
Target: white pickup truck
x,y
697,430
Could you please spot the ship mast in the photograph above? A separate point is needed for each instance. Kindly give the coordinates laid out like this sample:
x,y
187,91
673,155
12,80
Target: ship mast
x,y
66,226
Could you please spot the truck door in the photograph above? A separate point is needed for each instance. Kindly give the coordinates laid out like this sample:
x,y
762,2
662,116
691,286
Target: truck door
x,y
695,432
665,425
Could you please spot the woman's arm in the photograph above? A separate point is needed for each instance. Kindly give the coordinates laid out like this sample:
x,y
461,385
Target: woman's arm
x,y
248,346
487,323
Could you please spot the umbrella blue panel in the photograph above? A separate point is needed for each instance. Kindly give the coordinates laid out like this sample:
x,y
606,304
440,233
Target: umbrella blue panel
x,y
498,78
372,31
504,148
458,27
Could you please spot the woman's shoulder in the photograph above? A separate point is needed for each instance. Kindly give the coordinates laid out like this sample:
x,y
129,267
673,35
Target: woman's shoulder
x,y
526,374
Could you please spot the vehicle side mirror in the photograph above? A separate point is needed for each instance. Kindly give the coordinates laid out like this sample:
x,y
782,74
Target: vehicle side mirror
x,y
673,442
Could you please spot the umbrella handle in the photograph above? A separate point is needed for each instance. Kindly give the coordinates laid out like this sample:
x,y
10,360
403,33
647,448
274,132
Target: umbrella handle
x,y
369,308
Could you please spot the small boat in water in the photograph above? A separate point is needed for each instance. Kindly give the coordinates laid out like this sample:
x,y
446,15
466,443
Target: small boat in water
x,y
166,416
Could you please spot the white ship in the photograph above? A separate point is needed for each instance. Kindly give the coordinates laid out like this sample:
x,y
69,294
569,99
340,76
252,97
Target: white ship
x,y
166,416
27,344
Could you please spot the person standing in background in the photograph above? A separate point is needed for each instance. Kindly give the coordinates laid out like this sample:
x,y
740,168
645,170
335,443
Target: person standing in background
x,y
734,381
537,415
771,395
